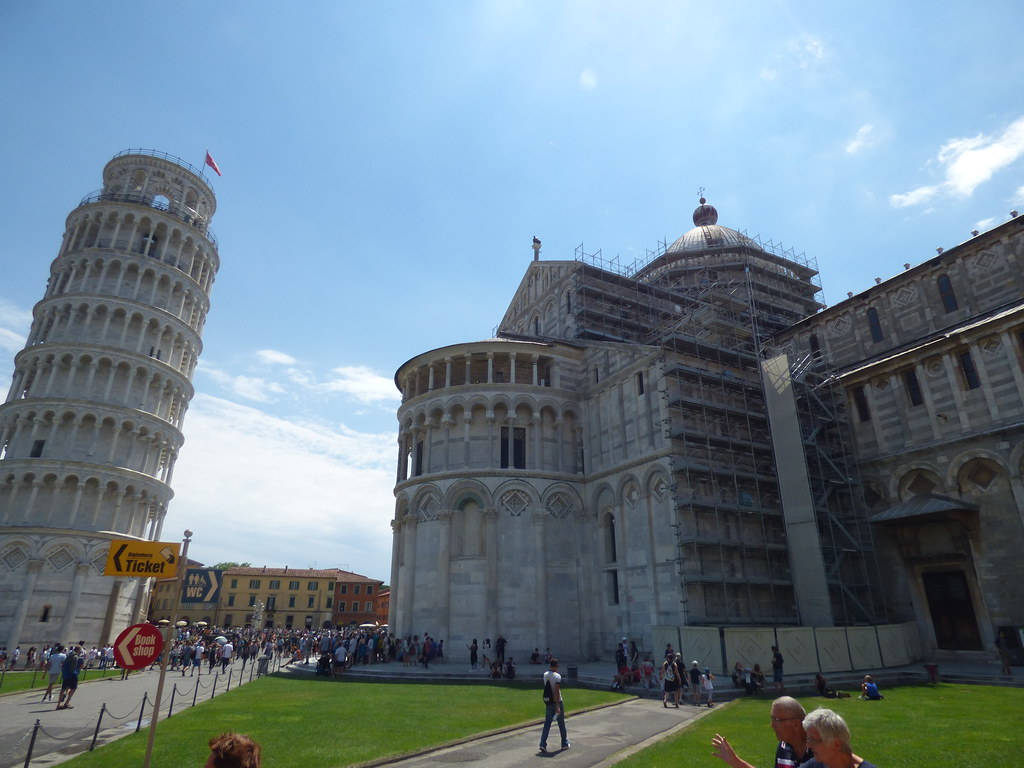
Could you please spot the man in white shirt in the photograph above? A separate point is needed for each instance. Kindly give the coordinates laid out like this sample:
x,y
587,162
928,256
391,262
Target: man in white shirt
x,y
554,706
226,652
56,661
340,657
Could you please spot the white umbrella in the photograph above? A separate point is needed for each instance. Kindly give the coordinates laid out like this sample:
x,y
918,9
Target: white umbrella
x,y
220,639
367,626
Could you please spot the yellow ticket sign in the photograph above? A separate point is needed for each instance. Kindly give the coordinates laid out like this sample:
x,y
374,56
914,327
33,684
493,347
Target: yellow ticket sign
x,y
157,559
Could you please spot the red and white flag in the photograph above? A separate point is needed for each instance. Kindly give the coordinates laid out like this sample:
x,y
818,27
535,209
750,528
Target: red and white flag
x,y
212,163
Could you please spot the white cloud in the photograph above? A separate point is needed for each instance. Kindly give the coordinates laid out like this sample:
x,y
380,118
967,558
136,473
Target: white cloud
x,y
10,341
985,223
768,74
253,388
1018,196
14,325
914,196
274,357
260,488
807,50
861,140
588,79
967,163
362,384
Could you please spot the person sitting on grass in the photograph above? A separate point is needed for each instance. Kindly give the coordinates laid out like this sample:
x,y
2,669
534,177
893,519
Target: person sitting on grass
x,y
822,685
233,750
757,679
869,690
738,675
829,737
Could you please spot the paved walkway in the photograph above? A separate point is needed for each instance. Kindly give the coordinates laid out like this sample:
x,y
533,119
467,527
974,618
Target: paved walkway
x,y
599,737
68,732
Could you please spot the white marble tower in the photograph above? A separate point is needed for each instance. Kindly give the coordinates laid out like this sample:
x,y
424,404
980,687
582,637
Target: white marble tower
x,y
91,426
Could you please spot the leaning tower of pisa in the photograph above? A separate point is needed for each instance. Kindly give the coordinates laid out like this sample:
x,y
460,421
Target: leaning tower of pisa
x,y
91,426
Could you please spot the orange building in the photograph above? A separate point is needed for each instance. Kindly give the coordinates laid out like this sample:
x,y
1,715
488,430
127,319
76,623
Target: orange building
x,y
356,600
383,604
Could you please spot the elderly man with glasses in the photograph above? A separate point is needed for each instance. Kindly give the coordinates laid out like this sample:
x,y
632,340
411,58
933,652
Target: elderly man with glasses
x,y
787,716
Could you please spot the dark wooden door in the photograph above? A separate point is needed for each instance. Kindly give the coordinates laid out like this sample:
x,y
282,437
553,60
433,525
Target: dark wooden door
x,y
949,601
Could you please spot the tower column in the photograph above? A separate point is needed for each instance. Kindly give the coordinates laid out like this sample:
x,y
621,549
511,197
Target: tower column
x,y
26,593
72,605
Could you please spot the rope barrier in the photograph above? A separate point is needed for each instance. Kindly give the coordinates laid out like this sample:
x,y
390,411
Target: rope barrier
x,y
59,738
131,713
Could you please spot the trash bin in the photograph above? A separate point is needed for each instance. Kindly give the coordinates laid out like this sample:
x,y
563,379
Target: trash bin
x,y
572,672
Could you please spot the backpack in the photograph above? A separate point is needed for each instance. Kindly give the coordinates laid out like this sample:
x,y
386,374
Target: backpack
x,y
549,694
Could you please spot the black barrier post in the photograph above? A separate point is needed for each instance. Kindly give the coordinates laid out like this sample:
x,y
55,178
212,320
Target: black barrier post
x,y
214,691
32,743
3,672
230,671
96,733
34,673
170,709
195,695
142,709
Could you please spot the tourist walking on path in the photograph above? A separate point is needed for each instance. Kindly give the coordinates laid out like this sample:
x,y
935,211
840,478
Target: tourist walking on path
x,y
56,661
554,707
670,680
69,679
695,682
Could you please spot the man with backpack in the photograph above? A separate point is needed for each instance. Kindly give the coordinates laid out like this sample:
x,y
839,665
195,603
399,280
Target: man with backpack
x,y
554,706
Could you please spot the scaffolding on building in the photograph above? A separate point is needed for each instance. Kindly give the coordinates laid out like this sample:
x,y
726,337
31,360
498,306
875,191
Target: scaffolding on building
x,y
712,314
847,541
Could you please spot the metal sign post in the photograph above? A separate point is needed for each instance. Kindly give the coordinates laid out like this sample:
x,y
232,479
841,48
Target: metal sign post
x,y
166,656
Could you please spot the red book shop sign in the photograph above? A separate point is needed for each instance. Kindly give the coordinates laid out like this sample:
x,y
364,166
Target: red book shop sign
x,y
138,646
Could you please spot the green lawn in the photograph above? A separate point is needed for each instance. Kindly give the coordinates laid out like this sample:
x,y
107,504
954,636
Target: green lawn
x,y
23,681
306,722
944,725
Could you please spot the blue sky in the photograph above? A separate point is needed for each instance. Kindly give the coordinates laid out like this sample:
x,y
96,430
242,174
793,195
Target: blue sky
x,y
387,164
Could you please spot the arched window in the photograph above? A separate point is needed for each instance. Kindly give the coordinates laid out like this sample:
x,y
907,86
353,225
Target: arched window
x,y
946,294
610,553
875,325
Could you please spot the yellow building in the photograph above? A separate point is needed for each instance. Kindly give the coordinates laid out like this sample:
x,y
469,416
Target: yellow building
x,y
277,597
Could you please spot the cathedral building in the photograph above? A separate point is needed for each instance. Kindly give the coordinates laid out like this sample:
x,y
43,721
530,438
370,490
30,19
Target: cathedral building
x,y
605,466
931,363
693,449
91,427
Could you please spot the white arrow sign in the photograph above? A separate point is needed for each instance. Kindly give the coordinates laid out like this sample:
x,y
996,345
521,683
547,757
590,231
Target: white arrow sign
x,y
123,647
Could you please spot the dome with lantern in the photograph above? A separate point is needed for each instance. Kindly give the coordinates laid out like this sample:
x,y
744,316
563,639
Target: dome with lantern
x,y
707,234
